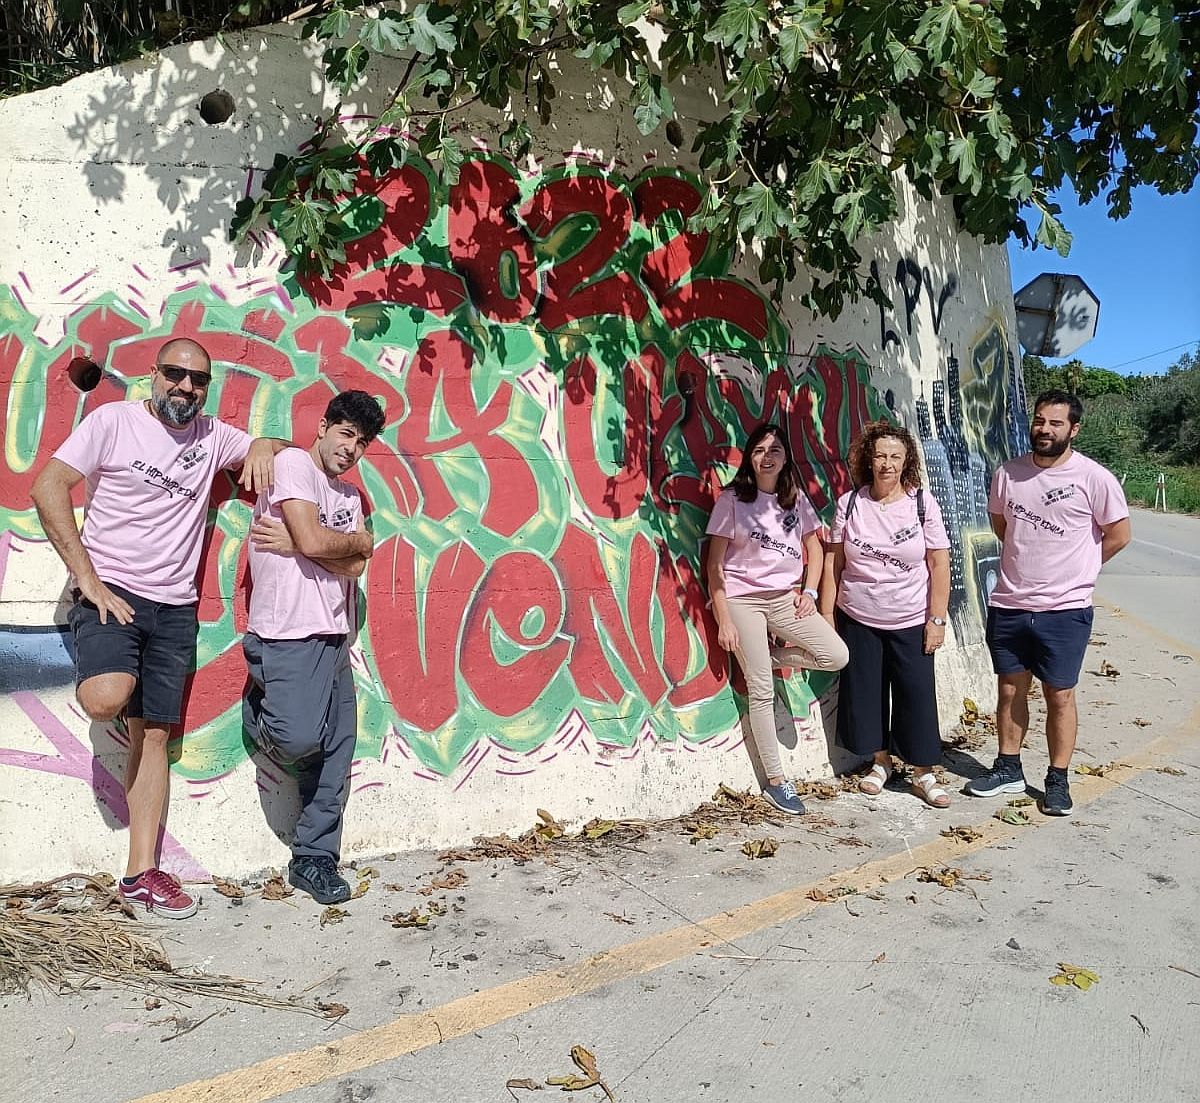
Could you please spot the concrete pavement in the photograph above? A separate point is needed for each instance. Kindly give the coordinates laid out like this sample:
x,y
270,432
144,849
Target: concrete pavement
x,y
692,972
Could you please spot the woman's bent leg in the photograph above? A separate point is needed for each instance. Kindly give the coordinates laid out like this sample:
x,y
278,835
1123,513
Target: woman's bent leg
x,y
812,633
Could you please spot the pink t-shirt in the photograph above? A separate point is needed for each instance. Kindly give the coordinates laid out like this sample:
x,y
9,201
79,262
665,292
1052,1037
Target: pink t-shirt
x,y
765,542
147,491
1051,553
885,581
293,597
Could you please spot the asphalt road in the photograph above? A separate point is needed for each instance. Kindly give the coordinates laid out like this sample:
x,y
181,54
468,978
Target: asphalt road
x,y
1157,578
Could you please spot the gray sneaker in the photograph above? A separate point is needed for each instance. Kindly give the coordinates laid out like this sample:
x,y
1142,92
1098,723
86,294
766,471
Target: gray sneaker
x,y
1003,777
784,797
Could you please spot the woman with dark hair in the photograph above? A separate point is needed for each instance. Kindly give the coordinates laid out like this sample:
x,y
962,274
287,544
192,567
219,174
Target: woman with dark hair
x,y
888,574
764,566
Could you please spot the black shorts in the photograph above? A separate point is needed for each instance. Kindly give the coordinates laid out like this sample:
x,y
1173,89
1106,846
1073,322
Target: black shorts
x,y
1049,644
158,648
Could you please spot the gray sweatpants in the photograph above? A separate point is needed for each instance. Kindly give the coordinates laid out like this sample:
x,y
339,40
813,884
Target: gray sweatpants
x,y
299,706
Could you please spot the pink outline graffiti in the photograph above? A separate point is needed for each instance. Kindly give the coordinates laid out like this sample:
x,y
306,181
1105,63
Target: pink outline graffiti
x,y
74,761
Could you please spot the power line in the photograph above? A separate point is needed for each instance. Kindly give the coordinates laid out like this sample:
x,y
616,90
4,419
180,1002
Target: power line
x,y
1151,355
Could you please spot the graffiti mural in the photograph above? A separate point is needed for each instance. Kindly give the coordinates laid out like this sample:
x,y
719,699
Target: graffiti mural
x,y
567,372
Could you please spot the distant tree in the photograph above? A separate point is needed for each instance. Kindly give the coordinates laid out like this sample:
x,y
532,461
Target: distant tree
x,y
1167,412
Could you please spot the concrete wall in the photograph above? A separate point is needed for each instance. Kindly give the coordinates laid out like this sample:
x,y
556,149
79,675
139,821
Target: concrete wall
x,y
564,394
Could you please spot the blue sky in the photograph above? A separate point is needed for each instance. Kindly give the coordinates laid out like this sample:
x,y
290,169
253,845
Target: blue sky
x,y
1145,270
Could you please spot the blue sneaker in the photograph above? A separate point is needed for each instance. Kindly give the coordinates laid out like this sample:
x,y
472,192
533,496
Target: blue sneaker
x,y
1003,777
1057,800
784,797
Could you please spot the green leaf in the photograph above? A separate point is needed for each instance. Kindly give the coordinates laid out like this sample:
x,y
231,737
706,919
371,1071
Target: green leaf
x,y
631,13
905,60
428,35
981,86
1121,13
383,32
759,211
452,158
740,24
653,102
798,35
962,153
1053,234
335,25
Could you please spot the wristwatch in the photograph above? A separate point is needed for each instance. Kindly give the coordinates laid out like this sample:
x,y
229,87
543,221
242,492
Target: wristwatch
x,y
810,592
939,621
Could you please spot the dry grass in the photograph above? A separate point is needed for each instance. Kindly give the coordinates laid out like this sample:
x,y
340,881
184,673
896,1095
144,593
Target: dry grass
x,y
73,931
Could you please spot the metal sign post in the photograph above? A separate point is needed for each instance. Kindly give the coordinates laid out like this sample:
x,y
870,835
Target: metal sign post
x,y
1160,492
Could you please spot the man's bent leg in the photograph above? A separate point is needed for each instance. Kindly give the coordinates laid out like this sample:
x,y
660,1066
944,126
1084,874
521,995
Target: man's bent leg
x,y
1062,724
103,696
1012,711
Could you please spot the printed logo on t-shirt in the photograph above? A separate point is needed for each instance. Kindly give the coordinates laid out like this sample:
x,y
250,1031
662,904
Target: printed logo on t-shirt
x,y
152,476
343,518
1020,512
904,535
769,543
193,456
790,520
1058,494
871,552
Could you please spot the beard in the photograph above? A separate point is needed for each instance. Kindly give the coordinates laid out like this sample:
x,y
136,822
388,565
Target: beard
x,y
177,410
1049,447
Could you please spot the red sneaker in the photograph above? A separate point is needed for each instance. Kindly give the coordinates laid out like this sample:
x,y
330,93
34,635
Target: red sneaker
x,y
160,893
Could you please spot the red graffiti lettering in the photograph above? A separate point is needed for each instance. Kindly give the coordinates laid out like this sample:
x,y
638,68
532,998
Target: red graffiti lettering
x,y
516,584
487,246
595,618
578,205
440,381
415,643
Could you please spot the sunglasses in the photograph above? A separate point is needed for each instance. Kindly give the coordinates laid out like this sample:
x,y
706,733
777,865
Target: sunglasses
x,y
171,374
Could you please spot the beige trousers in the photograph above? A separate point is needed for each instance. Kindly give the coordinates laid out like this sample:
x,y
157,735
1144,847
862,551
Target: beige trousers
x,y
774,612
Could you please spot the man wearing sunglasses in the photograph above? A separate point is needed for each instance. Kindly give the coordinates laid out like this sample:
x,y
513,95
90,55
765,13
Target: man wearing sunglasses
x,y
149,467
308,544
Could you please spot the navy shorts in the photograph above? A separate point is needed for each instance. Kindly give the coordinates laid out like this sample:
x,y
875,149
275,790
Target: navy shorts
x,y
1051,644
158,648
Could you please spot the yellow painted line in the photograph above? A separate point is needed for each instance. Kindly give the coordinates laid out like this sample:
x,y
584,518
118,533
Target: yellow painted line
x,y
409,1033
1149,629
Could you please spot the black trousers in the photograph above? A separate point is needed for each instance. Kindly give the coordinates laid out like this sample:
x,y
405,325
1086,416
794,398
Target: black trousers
x,y
887,699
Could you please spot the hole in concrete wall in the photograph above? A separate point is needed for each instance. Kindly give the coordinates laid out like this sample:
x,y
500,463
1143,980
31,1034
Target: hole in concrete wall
x,y
216,107
84,373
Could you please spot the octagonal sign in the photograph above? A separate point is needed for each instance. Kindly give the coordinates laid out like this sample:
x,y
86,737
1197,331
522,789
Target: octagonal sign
x,y
1056,314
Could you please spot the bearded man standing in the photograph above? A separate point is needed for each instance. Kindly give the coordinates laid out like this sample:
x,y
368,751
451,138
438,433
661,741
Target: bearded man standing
x,y
1059,517
149,468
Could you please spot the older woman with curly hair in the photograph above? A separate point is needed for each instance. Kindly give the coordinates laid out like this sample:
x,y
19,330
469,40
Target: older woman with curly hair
x,y
886,589
765,560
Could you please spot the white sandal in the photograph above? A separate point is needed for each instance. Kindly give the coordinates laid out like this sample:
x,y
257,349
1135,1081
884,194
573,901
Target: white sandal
x,y
874,780
926,787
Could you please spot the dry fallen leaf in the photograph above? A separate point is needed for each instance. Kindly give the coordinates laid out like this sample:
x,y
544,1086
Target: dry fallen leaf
x,y
819,895
361,888
1108,670
1020,802
228,888
703,830
1141,722
332,915
963,832
1075,975
276,888
332,1010
760,848
586,1062
880,959
1097,771
1014,816
1174,771
970,712
527,1083
414,918
152,1003
549,828
595,829
618,918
